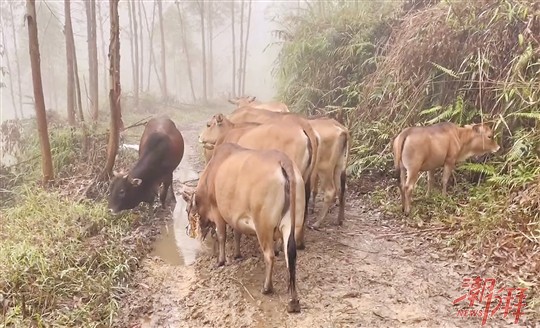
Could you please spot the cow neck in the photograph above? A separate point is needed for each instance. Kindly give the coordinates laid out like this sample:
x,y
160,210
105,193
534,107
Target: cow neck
x,y
147,167
464,138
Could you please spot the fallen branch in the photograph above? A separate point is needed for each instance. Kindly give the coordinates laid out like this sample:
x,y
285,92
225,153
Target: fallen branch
x,y
138,123
409,232
241,284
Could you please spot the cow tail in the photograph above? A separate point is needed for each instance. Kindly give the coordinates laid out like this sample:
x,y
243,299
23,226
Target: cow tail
x,y
290,199
344,155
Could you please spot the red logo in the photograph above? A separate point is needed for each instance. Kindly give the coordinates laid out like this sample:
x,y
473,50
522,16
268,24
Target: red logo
x,y
483,290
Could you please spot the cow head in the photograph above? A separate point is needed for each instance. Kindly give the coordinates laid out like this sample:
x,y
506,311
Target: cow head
x,y
218,126
126,192
481,140
197,226
242,101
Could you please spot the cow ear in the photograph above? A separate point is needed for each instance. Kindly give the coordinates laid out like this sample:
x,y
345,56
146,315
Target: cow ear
x,y
477,128
252,99
136,182
186,195
232,101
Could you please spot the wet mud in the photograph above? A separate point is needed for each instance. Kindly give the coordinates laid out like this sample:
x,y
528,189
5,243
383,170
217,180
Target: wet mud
x,y
367,273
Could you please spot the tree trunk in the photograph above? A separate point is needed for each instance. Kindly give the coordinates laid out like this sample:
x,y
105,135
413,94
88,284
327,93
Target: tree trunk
x,y
77,81
8,64
141,40
103,46
132,47
186,50
41,117
244,71
135,50
152,58
233,52
210,23
203,42
240,66
114,91
70,63
92,58
163,52
17,59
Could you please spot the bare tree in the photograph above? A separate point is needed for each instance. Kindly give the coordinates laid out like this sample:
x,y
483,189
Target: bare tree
x,y
233,52
163,51
141,39
200,3
244,71
17,59
68,31
41,117
92,57
103,54
134,44
210,59
240,66
4,52
186,49
115,90
151,59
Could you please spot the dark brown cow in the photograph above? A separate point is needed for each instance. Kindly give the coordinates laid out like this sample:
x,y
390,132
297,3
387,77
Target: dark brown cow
x,y
256,192
160,151
426,148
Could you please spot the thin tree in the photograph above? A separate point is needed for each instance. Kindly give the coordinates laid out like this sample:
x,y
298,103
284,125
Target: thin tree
x,y
17,59
141,39
244,71
68,31
77,81
41,117
5,52
114,91
103,46
240,65
233,52
203,42
186,50
152,58
92,57
163,52
134,45
210,60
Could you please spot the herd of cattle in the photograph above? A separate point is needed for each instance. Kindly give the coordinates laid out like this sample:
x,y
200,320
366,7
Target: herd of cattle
x,y
262,165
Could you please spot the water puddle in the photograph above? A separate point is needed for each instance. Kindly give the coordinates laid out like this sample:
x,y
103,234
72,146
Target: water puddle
x,y
174,246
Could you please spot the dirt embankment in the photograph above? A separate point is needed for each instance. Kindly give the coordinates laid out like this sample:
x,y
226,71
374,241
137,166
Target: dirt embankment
x,y
371,272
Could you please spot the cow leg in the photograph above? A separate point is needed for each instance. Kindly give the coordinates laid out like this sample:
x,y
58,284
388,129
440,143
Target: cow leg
x,y
221,234
402,181
167,182
315,190
446,176
327,185
430,179
237,238
409,187
341,190
267,246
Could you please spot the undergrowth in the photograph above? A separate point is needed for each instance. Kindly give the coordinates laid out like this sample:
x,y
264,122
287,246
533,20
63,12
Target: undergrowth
x,y
384,66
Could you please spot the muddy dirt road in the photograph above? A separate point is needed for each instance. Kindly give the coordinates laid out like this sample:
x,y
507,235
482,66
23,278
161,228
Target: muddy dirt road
x,y
368,273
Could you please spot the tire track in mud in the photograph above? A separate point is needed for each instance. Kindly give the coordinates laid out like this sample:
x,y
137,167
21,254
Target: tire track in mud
x,y
349,276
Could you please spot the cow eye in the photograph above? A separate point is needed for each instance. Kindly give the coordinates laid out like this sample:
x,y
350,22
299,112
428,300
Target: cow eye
x,y
122,193
207,125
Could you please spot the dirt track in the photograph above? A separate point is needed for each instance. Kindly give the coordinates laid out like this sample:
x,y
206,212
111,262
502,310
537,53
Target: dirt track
x,y
368,273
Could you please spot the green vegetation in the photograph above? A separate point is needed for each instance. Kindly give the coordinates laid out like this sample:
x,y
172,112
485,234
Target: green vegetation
x,y
388,67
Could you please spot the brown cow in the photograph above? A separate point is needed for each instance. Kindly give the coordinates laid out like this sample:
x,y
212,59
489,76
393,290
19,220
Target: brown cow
x,y
331,165
274,106
160,151
256,192
427,148
289,138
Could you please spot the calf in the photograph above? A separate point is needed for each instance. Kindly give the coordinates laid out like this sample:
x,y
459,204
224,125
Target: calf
x,y
256,192
331,165
273,106
160,151
430,147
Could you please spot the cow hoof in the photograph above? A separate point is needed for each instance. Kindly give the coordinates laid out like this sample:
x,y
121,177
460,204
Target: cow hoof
x,y
238,258
314,226
220,264
293,306
267,291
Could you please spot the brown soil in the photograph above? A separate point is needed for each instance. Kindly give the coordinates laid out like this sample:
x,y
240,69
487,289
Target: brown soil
x,y
370,272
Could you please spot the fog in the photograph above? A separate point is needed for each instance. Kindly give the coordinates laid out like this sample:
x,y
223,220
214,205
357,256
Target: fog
x,y
262,51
